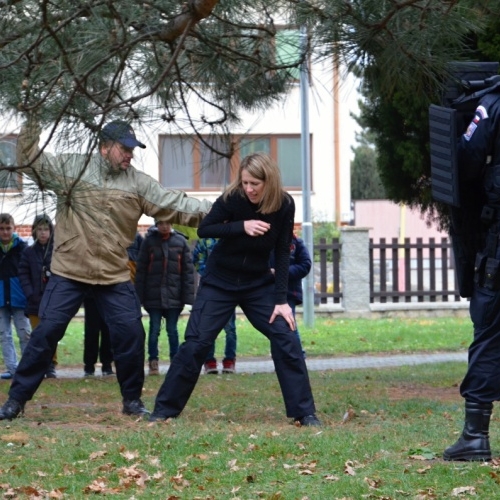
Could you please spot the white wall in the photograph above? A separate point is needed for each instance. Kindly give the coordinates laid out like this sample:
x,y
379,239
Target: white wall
x,y
286,118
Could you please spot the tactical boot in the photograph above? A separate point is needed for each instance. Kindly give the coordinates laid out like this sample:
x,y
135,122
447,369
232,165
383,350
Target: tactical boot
x,y
11,409
474,443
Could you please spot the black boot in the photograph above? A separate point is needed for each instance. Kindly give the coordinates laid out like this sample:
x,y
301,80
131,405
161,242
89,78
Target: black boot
x,y
474,443
134,407
11,409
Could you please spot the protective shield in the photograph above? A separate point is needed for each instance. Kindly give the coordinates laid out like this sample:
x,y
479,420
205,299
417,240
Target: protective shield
x,y
446,189
443,146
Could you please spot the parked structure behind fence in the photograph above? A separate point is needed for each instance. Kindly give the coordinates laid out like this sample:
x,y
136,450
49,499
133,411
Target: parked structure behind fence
x,y
356,274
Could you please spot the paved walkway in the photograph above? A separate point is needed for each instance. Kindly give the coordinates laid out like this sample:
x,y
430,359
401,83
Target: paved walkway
x,y
261,365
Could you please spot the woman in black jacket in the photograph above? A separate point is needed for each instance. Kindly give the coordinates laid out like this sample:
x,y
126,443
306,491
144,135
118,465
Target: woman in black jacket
x,y
253,217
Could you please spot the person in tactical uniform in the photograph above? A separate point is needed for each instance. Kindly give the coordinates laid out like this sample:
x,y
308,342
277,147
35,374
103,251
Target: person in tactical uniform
x,y
478,157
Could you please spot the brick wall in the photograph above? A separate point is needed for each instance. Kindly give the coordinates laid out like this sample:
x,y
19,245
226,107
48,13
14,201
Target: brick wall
x,y
24,231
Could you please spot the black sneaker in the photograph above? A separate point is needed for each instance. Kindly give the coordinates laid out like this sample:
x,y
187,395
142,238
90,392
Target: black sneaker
x,y
51,372
156,417
106,372
308,421
134,407
11,409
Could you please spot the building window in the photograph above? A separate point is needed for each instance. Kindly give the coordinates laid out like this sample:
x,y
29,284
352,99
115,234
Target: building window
x,y
188,163
10,180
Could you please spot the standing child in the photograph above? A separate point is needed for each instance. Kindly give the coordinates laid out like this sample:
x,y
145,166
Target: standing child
x,y
299,268
96,340
12,299
34,273
96,337
164,282
200,255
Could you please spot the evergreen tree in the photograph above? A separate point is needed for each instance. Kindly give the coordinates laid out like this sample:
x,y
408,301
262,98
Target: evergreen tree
x,y
399,120
197,65
365,180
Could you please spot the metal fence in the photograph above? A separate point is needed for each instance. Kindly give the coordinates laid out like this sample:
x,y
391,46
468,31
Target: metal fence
x,y
422,271
327,271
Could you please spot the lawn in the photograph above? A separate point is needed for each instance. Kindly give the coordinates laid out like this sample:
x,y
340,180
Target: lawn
x,y
383,434
328,337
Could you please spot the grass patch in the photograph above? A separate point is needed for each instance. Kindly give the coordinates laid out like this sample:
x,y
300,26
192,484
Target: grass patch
x,y
328,337
234,442
383,435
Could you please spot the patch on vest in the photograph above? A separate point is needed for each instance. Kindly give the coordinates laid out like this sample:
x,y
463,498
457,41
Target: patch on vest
x,y
480,114
470,130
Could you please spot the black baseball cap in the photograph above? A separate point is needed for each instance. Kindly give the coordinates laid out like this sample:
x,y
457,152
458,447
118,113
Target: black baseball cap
x,y
122,132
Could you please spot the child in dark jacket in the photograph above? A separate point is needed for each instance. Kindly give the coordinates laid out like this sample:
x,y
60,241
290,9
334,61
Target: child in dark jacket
x,y
34,273
12,298
201,253
164,282
300,266
96,340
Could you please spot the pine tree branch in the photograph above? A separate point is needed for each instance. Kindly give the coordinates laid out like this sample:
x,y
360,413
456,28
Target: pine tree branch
x,y
193,12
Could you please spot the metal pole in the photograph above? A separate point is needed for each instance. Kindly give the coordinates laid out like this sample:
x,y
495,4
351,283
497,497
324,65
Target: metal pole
x,y
307,228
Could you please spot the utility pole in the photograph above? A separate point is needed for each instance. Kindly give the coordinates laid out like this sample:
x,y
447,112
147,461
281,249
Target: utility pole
x,y
307,228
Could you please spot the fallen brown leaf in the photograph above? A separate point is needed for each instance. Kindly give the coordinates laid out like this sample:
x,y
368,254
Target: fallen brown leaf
x,y
97,454
348,415
348,469
463,490
15,437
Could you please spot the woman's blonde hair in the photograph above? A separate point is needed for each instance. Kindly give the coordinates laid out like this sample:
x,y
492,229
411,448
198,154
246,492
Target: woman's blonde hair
x,y
262,167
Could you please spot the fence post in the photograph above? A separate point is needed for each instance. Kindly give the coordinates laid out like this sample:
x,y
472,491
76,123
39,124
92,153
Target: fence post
x,y
355,268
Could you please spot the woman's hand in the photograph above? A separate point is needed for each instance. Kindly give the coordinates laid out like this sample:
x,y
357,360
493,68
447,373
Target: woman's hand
x,y
286,311
256,227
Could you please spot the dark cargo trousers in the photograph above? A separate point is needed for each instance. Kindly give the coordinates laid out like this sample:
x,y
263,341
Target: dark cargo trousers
x,y
482,381
212,309
118,305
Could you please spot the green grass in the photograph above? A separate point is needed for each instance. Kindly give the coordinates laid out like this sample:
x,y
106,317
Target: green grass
x,y
329,337
233,440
